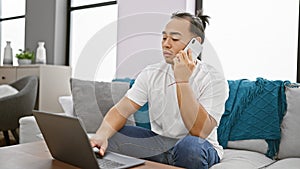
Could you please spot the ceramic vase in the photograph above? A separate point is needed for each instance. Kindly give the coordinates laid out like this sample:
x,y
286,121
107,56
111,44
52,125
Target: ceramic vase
x,y
8,54
41,53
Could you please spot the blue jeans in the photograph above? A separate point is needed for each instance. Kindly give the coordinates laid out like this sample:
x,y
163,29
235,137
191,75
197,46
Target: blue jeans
x,y
188,152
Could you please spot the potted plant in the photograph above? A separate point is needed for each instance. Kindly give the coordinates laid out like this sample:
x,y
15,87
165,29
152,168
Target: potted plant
x,y
25,57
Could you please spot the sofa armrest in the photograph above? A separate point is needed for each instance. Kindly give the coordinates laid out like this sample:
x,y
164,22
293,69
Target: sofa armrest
x,y
29,130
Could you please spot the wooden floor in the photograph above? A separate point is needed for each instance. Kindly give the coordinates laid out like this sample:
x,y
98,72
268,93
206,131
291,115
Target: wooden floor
x,y
2,140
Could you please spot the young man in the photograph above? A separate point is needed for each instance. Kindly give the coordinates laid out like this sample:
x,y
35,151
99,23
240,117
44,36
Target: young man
x,y
186,101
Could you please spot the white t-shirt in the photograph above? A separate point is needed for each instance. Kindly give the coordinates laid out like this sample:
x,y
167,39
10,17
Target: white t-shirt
x,y
155,85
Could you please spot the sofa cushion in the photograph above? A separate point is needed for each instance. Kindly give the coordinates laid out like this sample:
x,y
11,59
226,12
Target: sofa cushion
x,y
237,159
290,163
92,100
257,145
289,144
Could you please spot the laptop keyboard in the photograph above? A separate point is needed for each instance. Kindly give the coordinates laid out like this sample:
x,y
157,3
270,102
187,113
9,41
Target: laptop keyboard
x,y
108,164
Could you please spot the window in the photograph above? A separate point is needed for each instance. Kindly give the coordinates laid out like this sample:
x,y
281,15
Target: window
x,y
88,20
12,25
255,38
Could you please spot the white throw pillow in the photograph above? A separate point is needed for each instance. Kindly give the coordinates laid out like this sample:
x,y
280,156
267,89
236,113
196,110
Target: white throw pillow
x,y
7,90
66,103
289,143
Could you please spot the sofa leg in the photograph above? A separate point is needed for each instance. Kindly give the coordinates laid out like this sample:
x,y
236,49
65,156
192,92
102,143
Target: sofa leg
x,y
16,135
6,137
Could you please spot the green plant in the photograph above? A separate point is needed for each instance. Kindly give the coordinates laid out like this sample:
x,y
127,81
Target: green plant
x,y
25,54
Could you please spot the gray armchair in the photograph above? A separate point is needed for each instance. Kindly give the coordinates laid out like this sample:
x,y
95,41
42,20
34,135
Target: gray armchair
x,y
13,107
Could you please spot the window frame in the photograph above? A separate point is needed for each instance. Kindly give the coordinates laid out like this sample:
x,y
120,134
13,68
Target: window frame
x,y
9,19
69,11
298,54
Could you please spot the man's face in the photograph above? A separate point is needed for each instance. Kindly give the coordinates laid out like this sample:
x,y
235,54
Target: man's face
x,y
176,35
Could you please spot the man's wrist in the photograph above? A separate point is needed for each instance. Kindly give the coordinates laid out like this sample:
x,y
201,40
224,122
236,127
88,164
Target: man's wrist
x,y
185,81
182,83
179,82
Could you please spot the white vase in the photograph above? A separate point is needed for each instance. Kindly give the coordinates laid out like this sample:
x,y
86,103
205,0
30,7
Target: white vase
x,y
8,54
41,53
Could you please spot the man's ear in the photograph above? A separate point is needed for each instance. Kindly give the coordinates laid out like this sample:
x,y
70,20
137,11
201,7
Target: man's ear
x,y
199,39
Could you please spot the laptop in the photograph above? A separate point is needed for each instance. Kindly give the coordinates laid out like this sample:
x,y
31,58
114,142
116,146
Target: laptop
x,y
67,141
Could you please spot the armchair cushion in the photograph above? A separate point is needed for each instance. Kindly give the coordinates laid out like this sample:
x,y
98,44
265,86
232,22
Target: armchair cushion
x,y
7,90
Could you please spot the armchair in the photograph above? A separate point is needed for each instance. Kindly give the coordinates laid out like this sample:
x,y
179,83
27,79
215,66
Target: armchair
x,y
13,107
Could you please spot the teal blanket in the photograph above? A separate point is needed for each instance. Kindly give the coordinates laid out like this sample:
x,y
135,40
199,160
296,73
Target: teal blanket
x,y
254,110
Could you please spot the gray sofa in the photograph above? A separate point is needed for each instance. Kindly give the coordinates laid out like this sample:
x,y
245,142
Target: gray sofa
x,y
93,98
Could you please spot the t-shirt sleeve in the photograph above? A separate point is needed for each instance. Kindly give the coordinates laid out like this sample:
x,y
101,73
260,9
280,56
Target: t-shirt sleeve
x,y
139,90
218,98
213,97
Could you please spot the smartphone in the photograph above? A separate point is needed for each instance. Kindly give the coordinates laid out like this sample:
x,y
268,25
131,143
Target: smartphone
x,y
195,46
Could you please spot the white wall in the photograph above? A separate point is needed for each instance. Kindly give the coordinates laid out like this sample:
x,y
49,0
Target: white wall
x,y
255,38
140,23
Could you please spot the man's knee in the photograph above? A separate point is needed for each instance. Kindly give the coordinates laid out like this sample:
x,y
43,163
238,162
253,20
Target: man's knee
x,y
193,152
191,145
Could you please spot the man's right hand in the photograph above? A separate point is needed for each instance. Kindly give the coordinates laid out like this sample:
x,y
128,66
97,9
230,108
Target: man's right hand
x,y
99,142
113,121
